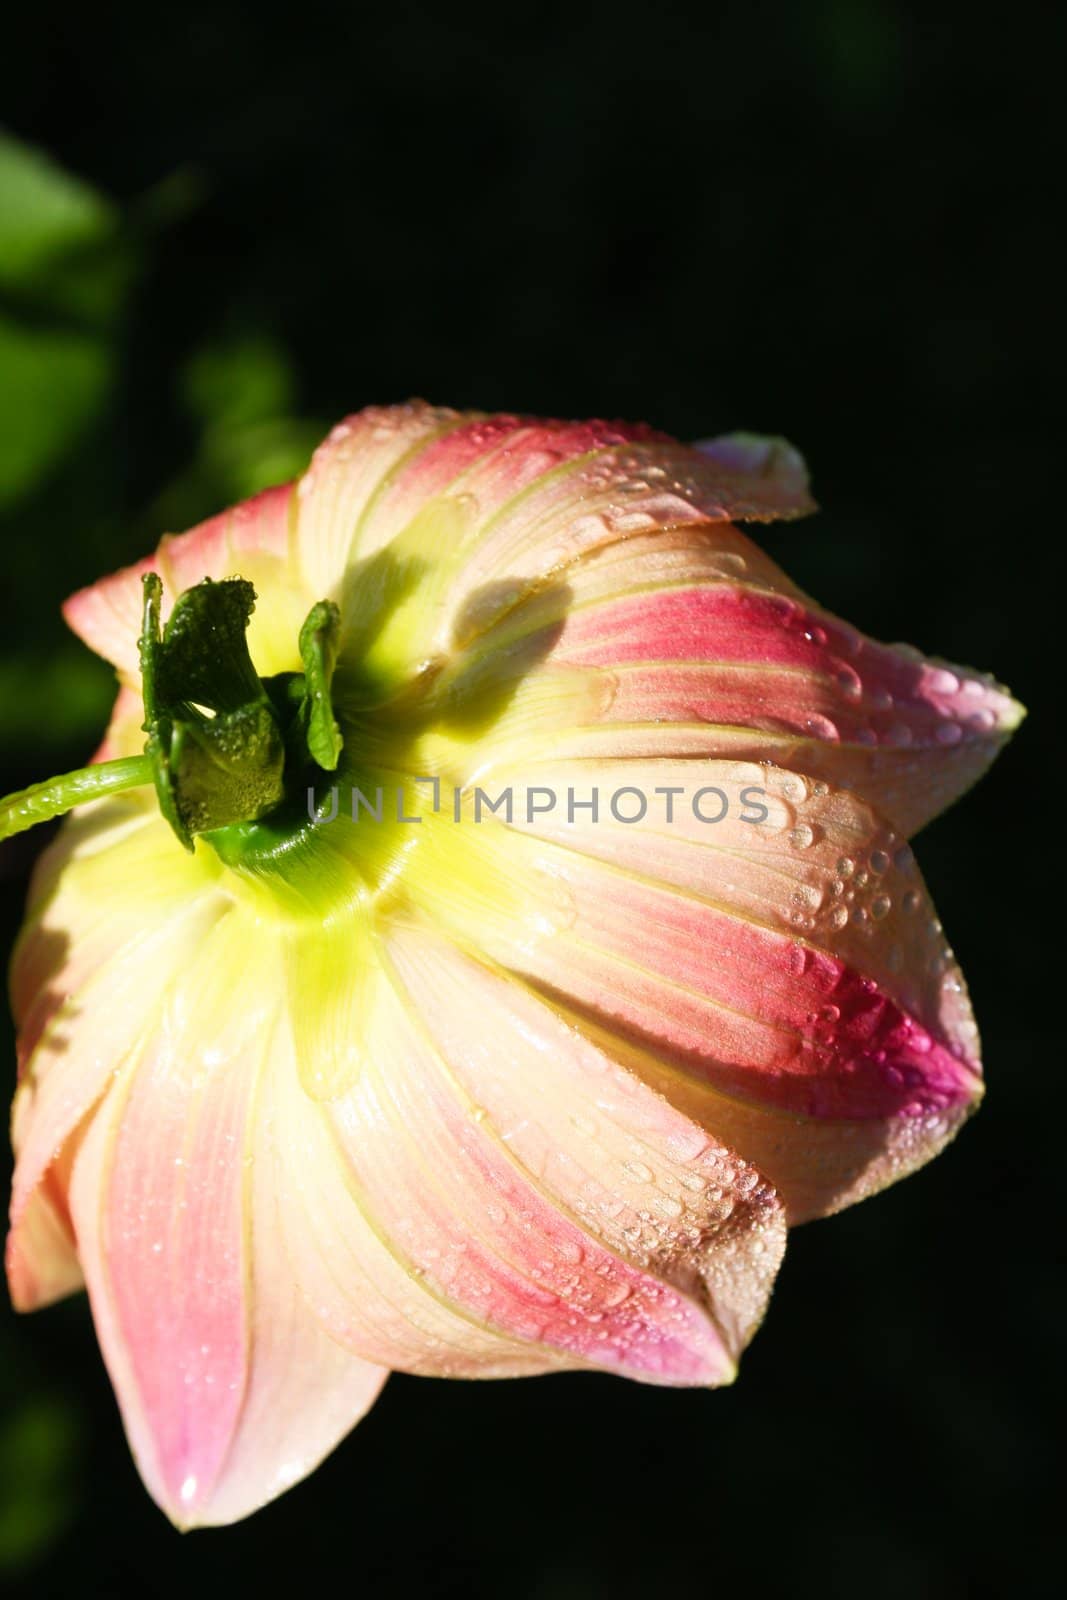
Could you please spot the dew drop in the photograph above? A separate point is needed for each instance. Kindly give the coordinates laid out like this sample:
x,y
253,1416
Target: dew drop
x,y
900,735
638,1170
799,959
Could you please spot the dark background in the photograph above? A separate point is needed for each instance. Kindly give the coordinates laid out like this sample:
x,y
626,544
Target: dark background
x,y
830,220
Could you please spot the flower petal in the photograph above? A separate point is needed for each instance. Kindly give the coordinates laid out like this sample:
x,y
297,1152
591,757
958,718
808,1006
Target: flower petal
x,y
250,540
115,910
486,505
347,472
107,614
908,733
229,1388
691,660
774,461
646,1187
790,986
492,1196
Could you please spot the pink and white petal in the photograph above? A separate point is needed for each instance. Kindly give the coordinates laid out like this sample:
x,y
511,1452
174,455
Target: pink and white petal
x,y
107,616
423,1241
260,526
228,1387
778,467
304,1391
351,1246
909,733
483,463
692,664
348,471
77,1039
89,1034
125,734
791,967
41,1258
575,513
385,467
492,505
251,539
114,911
558,1198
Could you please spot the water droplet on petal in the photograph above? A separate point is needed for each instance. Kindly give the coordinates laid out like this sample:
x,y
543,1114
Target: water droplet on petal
x,y
940,681
638,1170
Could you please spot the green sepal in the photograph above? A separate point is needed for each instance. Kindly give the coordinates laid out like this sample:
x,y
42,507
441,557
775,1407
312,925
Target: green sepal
x,y
205,656
209,770
319,640
223,749
228,768
157,724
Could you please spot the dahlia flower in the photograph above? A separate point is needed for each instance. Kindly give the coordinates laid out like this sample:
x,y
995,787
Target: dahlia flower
x,y
506,930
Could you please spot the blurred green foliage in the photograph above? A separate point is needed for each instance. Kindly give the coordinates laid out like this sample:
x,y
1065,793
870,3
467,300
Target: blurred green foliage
x,y
70,264
39,1463
65,268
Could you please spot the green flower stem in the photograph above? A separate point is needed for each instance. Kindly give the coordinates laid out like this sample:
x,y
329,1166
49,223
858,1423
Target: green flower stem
x,y
54,797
